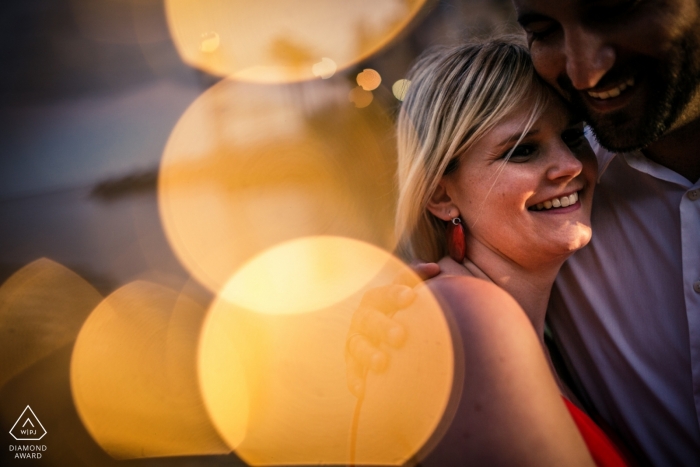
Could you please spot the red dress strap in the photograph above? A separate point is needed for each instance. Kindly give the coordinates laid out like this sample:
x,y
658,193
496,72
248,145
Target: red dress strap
x,y
603,451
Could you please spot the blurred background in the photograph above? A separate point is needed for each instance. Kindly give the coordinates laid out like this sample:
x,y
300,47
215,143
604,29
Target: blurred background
x,y
171,142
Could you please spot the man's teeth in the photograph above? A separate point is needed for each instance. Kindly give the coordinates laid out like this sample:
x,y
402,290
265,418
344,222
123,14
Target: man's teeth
x,y
614,92
560,202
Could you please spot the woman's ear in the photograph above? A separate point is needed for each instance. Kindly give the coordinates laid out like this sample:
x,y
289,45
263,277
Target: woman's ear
x,y
441,205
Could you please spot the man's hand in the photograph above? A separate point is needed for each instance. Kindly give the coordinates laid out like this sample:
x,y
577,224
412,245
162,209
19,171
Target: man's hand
x,y
372,325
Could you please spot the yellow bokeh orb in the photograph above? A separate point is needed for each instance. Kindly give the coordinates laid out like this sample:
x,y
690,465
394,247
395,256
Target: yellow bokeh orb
x,y
360,97
134,376
249,166
280,40
369,79
400,88
285,324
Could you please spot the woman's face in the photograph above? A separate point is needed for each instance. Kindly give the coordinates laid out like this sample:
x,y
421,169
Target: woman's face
x,y
535,207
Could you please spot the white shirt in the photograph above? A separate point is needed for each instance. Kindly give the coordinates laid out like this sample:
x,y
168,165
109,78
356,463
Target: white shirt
x,y
625,310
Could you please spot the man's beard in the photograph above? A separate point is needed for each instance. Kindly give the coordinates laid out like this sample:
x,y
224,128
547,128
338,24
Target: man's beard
x,y
671,84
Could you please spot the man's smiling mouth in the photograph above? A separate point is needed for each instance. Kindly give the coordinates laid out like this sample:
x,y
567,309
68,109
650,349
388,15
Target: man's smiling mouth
x,y
614,92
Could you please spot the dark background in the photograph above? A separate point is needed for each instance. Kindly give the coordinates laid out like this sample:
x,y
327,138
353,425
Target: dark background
x,y
84,117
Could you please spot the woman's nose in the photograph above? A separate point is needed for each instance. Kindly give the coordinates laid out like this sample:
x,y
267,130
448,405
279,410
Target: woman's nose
x,y
588,56
563,164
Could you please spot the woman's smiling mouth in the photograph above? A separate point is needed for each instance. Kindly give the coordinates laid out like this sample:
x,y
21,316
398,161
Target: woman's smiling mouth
x,y
558,202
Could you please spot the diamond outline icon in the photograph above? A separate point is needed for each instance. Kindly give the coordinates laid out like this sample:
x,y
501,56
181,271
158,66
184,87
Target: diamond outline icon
x,y
35,418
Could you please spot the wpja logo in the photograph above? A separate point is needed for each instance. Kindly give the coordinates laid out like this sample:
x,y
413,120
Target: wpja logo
x,y
28,428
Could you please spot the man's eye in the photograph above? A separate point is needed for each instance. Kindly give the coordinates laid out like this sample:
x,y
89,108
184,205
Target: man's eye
x,y
540,30
573,137
522,153
606,10
540,35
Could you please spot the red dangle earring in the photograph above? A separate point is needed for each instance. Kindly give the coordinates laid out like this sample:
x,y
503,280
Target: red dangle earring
x,y
456,244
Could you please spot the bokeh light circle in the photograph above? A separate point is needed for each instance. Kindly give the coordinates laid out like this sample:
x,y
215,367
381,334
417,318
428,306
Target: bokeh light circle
x,y
325,68
400,88
300,411
303,275
249,166
360,97
281,40
42,308
134,379
369,79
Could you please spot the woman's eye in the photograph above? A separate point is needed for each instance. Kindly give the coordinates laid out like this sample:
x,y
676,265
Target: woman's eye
x,y
573,137
522,153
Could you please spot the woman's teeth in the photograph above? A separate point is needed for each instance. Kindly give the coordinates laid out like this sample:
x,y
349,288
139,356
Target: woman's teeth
x,y
560,202
614,92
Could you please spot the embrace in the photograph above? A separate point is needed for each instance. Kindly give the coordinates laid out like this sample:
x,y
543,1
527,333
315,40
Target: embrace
x,y
560,179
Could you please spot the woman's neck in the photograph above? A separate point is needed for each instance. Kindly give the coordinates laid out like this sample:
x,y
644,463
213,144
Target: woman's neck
x,y
530,286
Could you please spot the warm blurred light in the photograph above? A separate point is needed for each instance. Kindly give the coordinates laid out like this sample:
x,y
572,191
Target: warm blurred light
x,y
134,375
325,68
369,79
305,274
413,403
360,97
249,166
210,42
399,88
300,410
42,307
281,40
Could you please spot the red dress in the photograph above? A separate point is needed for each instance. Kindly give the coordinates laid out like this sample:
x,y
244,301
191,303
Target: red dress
x,y
603,451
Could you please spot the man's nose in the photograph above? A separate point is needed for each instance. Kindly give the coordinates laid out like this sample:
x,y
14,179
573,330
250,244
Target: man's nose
x,y
588,57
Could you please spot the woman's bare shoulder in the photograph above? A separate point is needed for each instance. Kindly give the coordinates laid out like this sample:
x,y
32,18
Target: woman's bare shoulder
x,y
468,295
480,310
459,287
509,401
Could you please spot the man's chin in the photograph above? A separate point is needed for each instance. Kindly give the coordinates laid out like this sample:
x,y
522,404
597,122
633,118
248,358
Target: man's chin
x,y
619,133
622,130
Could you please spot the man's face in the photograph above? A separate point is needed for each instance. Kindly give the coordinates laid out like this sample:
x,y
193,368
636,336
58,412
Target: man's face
x,y
631,66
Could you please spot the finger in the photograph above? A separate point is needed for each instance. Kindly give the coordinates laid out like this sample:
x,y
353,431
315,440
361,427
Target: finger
x,y
407,277
367,355
426,270
355,377
417,273
377,327
388,298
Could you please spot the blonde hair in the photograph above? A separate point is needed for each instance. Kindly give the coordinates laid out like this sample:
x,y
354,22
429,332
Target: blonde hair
x,y
456,95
